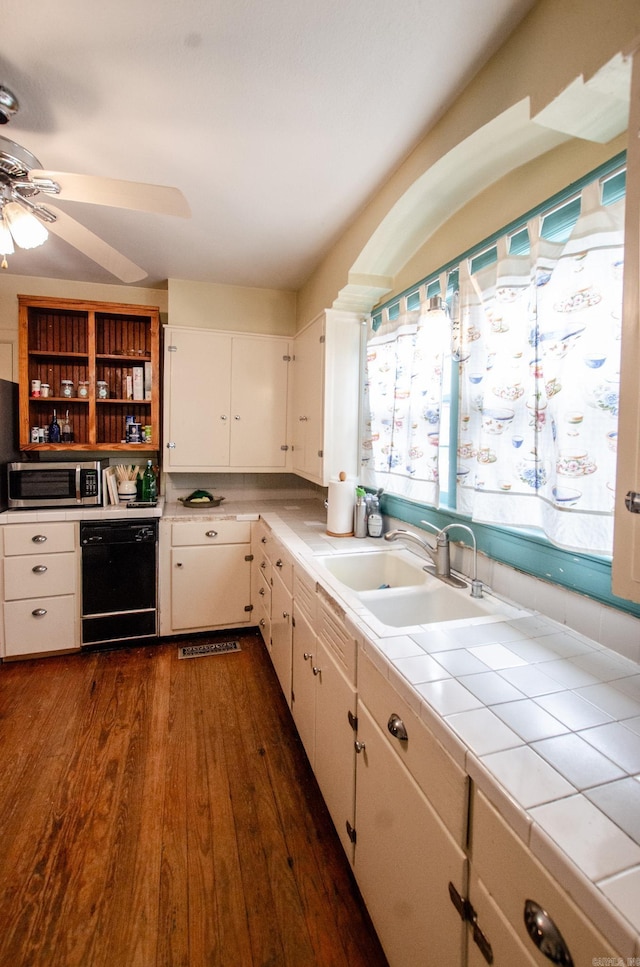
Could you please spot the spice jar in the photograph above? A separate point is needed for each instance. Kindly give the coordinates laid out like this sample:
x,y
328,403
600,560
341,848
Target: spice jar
x,y
45,389
103,389
66,388
83,388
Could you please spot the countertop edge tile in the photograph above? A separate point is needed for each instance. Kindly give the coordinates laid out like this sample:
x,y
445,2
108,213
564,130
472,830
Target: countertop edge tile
x,y
584,892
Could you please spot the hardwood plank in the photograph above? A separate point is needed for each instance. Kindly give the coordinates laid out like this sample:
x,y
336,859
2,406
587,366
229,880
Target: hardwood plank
x,y
162,812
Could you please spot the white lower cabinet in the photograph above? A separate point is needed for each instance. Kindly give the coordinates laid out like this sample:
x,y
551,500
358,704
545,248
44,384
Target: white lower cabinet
x,y
405,858
40,579
205,575
505,878
281,631
324,702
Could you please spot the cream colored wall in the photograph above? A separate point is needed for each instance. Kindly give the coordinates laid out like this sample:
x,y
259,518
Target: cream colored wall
x,y
13,285
231,307
557,43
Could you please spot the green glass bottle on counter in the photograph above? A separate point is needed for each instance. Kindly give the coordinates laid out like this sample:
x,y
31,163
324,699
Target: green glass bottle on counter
x,y
149,483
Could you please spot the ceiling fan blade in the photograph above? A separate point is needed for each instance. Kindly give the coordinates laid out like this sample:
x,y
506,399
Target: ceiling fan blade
x,y
95,248
135,195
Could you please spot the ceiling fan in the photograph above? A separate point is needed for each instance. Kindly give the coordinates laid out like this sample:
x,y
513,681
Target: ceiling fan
x,y
25,220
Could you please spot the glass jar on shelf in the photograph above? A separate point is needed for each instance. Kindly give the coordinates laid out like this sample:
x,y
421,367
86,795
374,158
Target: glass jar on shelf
x,y
66,388
102,389
83,389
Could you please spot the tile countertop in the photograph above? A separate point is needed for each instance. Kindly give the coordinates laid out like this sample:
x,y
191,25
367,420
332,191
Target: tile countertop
x,y
545,720
111,512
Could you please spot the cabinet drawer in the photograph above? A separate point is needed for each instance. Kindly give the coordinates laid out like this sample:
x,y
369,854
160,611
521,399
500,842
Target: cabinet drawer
x,y
282,565
210,532
512,875
440,778
40,625
39,538
32,577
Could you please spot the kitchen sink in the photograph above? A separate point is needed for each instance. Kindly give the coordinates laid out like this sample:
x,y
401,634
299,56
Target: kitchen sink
x,y
393,588
365,571
431,603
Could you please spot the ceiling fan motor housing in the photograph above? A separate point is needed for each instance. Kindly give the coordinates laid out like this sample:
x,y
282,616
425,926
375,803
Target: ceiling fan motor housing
x,y
8,105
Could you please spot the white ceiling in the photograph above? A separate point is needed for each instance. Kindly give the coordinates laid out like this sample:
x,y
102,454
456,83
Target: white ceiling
x,y
277,119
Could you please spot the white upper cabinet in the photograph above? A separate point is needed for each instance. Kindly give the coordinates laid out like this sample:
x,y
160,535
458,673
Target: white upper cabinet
x,y
225,401
325,412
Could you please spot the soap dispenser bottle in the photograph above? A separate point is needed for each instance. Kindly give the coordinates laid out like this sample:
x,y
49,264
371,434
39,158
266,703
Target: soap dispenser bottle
x,y
374,517
360,513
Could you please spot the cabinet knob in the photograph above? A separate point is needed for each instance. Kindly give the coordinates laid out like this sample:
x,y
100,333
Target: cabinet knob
x,y
211,534
263,565
39,568
307,656
171,445
178,563
546,935
262,622
279,563
39,612
39,538
236,417
303,419
359,746
397,728
262,592
263,540
285,614
316,671
223,417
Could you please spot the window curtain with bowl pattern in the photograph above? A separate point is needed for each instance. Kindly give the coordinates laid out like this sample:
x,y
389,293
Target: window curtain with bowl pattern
x,y
539,378
402,404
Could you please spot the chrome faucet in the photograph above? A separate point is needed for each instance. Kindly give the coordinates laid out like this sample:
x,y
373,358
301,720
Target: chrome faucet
x,y
440,554
476,585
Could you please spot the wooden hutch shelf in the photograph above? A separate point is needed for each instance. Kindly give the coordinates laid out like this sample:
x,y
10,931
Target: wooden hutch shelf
x,y
88,343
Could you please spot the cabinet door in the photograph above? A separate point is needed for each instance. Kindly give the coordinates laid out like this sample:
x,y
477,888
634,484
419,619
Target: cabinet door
x,y
626,544
197,397
281,604
335,758
210,587
259,402
404,860
39,625
303,688
307,417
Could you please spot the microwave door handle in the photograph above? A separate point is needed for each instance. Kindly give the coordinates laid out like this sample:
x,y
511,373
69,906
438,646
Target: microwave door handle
x,y
78,474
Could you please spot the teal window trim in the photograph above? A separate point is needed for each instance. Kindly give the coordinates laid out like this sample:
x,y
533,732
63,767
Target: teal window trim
x,y
526,552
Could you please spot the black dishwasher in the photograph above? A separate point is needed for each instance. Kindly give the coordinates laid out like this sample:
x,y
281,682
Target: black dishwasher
x,y
119,584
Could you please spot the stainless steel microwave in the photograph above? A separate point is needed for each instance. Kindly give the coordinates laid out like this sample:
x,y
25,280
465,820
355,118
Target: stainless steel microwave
x,y
69,484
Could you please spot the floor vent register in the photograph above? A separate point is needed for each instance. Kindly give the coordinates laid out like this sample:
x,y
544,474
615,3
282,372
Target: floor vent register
x,y
208,648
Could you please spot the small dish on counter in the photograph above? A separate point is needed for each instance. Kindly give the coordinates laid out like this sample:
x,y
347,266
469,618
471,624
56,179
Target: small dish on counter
x,y
201,501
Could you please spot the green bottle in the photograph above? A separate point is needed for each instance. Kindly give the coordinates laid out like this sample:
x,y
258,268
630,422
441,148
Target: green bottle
x,y
149,483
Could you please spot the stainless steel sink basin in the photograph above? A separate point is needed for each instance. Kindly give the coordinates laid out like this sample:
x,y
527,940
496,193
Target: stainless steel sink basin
x,y
367,570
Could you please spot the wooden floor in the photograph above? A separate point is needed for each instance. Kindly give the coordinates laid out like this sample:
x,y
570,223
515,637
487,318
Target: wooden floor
x,y
156,811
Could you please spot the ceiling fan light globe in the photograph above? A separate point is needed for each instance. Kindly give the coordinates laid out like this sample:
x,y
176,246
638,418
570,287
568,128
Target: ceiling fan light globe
x,y
27,230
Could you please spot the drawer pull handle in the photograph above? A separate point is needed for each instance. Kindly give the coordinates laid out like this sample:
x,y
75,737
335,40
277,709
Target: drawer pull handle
x,y
359,746
39,538
546,935
307,656
263,540
178,563
316,671
39,612
285,614
262,592
39,568
279,563
397,728
211,534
